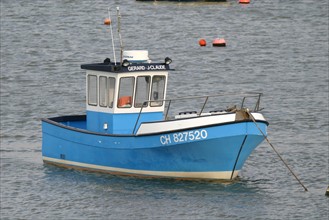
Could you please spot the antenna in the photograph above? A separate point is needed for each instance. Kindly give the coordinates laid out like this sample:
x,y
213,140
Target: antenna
x,y
115,60
119,31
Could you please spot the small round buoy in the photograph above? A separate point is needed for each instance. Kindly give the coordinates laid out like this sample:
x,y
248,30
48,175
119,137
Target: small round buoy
x,y
219,42
202,42
244,1
107,21
327,191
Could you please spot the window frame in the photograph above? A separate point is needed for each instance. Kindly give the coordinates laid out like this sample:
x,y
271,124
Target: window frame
x,y
104,92
132,92
154,102
111,97
95,90
140,105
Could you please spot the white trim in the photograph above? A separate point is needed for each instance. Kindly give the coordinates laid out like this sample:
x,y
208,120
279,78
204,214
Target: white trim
x,y
117,110
188,123
223,175
117,77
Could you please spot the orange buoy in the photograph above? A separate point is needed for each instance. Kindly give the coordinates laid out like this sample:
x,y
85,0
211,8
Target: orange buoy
x,y
244,1
107,21
202,42
219,42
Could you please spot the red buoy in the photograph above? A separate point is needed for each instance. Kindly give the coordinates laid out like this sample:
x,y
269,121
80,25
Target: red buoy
x,y
202,42
107,21
244,1
219,42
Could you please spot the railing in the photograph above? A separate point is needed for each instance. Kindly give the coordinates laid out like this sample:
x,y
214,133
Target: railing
x,y
244,96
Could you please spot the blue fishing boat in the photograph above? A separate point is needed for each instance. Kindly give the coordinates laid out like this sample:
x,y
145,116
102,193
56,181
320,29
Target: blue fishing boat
x,y
130,127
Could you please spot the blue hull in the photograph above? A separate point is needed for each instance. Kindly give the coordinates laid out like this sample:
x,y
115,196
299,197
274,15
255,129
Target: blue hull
x,y
214,152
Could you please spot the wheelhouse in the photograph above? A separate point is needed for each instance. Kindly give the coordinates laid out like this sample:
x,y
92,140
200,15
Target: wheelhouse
x,y
116,93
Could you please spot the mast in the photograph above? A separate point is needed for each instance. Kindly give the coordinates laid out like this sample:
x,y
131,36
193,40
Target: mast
x,y
119,31
115,60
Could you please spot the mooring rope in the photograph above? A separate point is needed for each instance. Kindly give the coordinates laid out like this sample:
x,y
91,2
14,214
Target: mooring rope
x,y
285,163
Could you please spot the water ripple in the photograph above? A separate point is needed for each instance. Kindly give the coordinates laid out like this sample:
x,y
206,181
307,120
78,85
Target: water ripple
x,y
277,48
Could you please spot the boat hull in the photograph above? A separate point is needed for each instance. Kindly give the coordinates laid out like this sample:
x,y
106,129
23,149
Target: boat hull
x,y
208,152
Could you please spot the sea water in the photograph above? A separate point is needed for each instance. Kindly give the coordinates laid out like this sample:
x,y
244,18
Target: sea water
x,y
278,48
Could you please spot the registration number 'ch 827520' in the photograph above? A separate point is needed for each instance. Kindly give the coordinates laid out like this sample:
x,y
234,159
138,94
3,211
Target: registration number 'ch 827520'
x,y
185,136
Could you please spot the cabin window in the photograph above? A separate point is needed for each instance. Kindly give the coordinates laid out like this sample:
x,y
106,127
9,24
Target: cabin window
x,y
111,86
92,90
142,91
103,91
126,90
158,88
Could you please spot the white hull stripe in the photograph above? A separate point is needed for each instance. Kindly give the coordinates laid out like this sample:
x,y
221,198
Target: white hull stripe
x,y
190,123
224,175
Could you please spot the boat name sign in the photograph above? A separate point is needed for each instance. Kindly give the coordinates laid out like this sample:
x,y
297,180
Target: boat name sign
x,y
146,68
186,136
